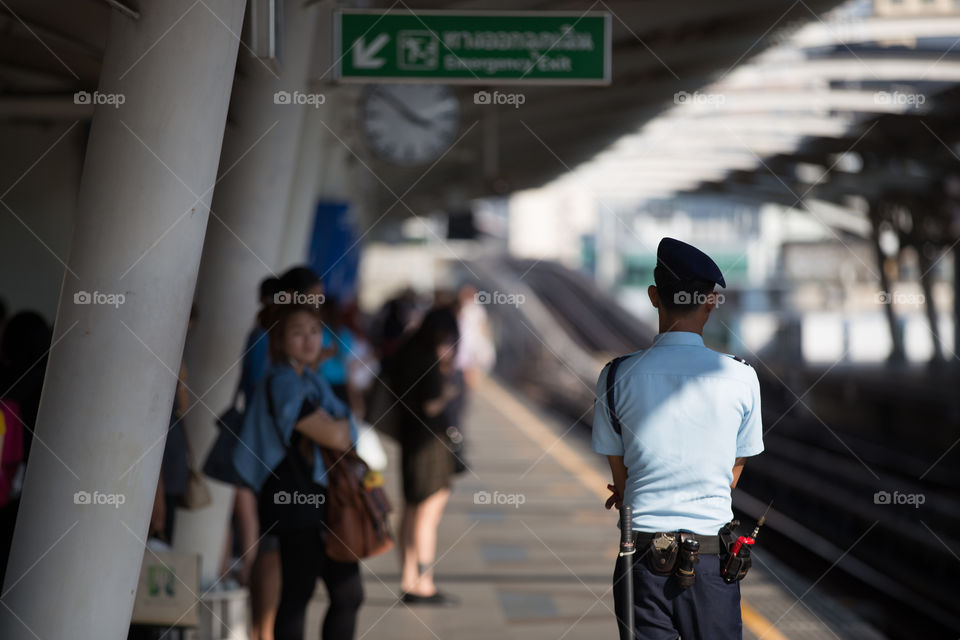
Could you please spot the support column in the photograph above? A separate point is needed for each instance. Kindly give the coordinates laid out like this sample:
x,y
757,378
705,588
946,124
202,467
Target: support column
x,y
609,258
242,247
317,155
956,303
119,331
930,309
897,354
324,170
319,152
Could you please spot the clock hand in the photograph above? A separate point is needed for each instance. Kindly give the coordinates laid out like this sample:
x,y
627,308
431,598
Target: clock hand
x,y
444,109
404,110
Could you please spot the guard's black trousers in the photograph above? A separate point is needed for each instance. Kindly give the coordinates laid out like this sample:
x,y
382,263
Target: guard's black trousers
x,y
709,610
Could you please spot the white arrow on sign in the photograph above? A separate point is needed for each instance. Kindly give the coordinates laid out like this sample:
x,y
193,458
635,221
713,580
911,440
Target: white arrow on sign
x,y
363,56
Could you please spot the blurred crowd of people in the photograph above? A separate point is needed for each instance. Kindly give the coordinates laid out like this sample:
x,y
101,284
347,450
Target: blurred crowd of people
x,y
313,362
427,353
24,342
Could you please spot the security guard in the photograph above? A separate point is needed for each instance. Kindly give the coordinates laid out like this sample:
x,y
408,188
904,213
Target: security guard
x,y
682,423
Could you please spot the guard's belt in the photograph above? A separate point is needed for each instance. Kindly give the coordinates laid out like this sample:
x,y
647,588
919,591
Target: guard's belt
x,y
708,544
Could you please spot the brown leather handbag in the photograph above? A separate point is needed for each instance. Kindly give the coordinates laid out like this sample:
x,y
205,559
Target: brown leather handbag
x,y
357,508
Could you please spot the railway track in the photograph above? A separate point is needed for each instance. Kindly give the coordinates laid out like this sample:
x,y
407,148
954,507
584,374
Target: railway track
x,y
894,563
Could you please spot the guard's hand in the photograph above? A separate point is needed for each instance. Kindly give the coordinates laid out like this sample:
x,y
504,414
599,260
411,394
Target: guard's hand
x,y
616,500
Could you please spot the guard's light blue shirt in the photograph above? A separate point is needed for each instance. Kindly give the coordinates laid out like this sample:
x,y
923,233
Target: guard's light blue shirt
x,y
687,412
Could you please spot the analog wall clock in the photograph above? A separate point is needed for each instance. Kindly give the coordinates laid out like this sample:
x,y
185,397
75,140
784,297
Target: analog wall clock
x,y
410,124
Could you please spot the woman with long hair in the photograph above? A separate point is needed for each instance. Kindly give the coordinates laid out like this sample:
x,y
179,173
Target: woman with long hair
x,y
293,413
421,371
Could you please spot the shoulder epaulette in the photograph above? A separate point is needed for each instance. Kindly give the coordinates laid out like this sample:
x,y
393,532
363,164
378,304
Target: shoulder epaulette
x,y
738,359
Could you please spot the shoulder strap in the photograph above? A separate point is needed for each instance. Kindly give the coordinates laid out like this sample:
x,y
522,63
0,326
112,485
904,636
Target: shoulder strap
x,y
611,398
738,359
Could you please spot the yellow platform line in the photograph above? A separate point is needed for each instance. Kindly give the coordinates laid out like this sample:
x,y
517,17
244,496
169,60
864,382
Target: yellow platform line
x,y
574,462
758,624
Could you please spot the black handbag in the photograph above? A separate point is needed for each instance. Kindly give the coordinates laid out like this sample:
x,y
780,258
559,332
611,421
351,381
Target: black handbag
x,y
455,439
219,462
455,444
290,500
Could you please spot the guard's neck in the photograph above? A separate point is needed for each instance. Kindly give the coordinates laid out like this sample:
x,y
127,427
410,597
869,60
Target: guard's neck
x,y
691,323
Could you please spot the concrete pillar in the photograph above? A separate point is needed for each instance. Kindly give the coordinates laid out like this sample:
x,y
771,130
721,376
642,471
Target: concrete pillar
x,y
319,152
930,309
956,302
320,155
304,191
897,353
119,331
607,247
242,247
326,169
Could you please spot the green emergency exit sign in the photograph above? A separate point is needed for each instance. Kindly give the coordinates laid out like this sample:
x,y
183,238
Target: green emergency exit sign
x,y
528,47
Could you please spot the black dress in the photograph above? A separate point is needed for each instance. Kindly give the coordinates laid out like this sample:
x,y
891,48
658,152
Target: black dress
x,y
427,463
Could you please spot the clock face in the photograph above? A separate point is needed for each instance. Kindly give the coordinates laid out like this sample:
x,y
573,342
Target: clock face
x,y
410,124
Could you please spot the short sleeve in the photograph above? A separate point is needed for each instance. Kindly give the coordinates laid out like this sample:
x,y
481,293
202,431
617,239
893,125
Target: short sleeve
x,y
285,400
750,435
604,440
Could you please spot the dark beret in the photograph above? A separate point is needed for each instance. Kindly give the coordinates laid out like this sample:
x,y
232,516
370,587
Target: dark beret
x,y
685,262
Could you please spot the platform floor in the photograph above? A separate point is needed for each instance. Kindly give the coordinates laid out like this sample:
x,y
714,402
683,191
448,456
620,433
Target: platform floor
x,y
542,569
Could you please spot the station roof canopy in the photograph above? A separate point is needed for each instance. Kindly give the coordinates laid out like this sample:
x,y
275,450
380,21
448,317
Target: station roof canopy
x,y
53,48
849,115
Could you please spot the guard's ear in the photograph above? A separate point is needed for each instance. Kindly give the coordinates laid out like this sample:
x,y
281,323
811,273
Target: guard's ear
x,y
654,295
713,299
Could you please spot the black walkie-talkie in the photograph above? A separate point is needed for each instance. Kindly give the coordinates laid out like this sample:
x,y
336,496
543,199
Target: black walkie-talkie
x,y
689,556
